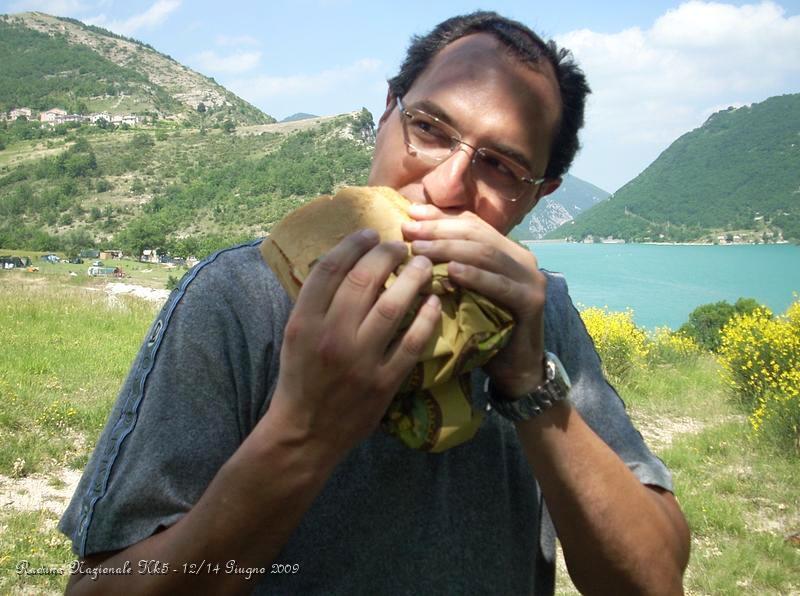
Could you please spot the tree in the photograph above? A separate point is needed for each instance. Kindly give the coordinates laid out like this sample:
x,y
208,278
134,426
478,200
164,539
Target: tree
x,y
706,321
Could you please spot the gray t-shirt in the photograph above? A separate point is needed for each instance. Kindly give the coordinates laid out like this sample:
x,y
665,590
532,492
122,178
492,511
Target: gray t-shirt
x,y
390,520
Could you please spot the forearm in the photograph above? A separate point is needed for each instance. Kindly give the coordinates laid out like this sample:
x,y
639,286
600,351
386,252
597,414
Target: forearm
x,y
618,535
246,514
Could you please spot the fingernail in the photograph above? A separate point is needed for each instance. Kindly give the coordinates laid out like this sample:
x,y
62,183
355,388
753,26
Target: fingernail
x,y
421,244
418,209
456,267
369,234
420,262
433,301
412,226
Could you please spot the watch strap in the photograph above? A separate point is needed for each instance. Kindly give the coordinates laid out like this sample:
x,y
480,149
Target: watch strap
x,y
554,389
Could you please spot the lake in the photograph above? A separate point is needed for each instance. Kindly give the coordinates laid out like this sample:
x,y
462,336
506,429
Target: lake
x,y
664,283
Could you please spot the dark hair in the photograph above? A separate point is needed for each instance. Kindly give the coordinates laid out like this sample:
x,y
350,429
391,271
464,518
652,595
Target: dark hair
x,y
528,48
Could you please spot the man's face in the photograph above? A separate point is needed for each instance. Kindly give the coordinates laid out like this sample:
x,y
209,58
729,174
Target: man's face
x,y
495,102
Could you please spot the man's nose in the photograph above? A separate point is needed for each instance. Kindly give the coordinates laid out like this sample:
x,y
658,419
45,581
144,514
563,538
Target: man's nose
x,y
449,185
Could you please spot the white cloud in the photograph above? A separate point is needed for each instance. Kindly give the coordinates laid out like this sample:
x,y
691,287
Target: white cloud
x,y
236,40
652,85
149,19
210,61
265,88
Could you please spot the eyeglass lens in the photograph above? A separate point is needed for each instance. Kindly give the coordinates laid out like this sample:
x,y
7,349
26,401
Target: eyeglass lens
x,y
433,139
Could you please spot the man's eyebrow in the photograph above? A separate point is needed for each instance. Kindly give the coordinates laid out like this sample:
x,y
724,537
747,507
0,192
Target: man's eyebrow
x,y
434,109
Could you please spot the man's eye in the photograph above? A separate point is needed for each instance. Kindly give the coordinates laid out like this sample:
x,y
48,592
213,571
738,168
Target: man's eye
x,y
429,130
498,166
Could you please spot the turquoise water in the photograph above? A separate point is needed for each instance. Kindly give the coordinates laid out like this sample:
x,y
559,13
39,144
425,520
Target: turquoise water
x,y
663,284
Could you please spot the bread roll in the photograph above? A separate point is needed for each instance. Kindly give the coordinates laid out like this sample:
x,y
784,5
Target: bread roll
x,y
298,240
433,410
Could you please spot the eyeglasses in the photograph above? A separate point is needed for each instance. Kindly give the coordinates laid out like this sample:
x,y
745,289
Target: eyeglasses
x,y
434,141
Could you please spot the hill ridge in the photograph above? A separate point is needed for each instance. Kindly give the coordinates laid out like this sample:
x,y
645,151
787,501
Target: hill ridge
x,y
734,178
162,73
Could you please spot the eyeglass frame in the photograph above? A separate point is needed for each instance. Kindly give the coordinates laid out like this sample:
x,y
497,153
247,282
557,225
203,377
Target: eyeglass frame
x,y
456,141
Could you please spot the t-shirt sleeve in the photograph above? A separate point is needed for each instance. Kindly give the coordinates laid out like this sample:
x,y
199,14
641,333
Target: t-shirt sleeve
x,y
199,384
597,401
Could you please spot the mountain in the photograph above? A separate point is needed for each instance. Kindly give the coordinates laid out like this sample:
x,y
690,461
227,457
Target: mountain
x,y
167,186
298,116
52,62
172,161
735,178
572,198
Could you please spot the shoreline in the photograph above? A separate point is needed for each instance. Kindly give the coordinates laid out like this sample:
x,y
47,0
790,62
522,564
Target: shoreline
x,y
564,241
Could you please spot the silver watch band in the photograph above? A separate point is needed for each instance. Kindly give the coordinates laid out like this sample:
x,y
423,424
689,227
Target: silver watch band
x,y
554,389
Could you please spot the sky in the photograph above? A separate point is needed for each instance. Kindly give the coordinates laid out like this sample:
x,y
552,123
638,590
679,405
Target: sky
x,y
657,69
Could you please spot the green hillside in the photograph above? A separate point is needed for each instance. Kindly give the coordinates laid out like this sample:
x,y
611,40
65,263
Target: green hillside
x,y
737,175
199,169
40,72
51,62
168,187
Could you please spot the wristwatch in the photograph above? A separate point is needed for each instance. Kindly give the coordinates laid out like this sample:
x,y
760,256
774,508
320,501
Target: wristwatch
x,y
554,389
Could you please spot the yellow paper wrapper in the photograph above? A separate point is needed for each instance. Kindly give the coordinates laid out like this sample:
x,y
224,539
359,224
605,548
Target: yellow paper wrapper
x,y
433,410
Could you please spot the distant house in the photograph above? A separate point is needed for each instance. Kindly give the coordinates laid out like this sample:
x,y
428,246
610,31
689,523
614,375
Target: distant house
x,y
110,254
97,116
149,256
90,253
18,112
53,116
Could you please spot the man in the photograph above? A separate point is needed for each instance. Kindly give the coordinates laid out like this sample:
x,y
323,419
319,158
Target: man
x,y
244,441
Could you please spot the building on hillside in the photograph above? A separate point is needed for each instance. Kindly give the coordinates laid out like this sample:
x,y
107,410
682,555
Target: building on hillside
x,y
53,116
149,256
97,116
110,254
90,253
18,112
128,119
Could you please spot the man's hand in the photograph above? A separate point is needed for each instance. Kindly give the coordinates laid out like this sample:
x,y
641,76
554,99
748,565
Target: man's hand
x,y
341,363
484,260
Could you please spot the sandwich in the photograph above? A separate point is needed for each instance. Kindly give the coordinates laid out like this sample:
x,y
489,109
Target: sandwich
x,y
433,410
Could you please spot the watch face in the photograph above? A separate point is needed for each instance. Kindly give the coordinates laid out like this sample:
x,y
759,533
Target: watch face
x,y
553,360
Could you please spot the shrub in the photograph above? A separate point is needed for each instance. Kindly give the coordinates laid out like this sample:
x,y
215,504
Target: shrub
x,y
707,320
760,359
621,344
673,348
142,141
172,282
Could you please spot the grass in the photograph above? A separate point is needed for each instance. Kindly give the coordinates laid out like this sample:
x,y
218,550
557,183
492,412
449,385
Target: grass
x,y
741,498
66,349
151,275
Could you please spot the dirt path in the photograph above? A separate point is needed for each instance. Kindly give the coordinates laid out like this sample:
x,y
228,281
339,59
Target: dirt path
x,y
39,491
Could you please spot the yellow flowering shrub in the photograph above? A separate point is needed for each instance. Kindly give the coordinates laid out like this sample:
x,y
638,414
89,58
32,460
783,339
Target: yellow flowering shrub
x,y
760,359
669,347
621,344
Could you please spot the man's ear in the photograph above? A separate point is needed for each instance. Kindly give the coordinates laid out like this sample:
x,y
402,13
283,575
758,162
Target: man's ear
x,y
545,188
390,102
